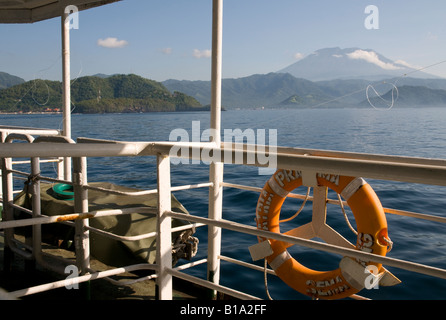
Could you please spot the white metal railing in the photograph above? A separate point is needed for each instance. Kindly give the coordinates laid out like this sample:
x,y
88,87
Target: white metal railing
x,y
406,169
28,132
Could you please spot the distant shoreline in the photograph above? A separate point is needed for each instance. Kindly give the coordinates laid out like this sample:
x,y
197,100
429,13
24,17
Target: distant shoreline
x,y
25,113
61,113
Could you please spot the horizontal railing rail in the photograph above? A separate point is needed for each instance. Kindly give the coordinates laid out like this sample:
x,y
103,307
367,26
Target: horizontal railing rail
x,y
6,130
403,169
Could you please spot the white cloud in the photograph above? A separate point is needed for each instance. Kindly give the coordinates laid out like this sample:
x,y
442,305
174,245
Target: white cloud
x,y
406,64
112,43
371,57
337,55
202,53
298,56
166,50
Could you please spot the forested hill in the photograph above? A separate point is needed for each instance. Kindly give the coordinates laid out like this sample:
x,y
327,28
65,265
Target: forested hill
x,y
7,80
91,94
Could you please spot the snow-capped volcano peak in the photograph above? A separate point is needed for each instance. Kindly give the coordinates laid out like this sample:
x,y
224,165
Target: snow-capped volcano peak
x,y
350,63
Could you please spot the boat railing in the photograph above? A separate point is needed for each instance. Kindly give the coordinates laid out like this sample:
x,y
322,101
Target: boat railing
x,y
25,134
310,162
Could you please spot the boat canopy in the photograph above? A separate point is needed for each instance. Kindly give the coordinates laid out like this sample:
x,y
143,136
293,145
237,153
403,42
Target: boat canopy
x,y
29,11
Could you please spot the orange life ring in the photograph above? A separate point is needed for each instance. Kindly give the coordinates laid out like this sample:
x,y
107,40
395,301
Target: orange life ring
x,y
371,226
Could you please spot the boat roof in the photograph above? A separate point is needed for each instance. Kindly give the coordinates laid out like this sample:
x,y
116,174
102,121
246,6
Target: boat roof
x,y
29,11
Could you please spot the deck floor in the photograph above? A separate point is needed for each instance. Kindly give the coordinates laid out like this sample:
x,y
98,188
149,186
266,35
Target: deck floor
x,y
19,277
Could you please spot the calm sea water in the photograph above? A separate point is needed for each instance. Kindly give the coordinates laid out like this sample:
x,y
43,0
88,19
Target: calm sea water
x,y
411,132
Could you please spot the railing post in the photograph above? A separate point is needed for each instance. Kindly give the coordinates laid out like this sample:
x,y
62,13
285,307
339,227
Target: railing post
x,y
82,235
3,135
7,214
36,208
216,168
164,237
66,89
8,211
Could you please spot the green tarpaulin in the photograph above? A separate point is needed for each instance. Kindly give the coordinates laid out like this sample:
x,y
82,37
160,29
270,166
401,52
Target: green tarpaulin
x,y
110,251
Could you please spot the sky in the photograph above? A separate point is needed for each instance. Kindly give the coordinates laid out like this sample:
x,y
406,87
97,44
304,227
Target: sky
x,y
171,39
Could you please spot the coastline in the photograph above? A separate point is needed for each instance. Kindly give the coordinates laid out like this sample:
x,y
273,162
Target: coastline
x,y
25,113
202,109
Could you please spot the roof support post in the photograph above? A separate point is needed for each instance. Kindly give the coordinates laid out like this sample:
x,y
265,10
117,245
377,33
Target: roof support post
x,y
66,86
216,168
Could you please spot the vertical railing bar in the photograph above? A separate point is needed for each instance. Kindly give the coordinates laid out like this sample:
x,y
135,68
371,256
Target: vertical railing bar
x,y
7,183
82,234
216,168
164,237
8,198
36,208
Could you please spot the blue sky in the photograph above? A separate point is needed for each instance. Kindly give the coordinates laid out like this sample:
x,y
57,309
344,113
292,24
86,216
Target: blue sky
x,y
171,39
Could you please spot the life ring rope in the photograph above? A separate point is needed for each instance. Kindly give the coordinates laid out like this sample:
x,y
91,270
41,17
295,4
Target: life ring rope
x,y
341,204
307,196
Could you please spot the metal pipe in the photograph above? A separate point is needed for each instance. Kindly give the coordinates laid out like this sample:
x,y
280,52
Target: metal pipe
x,y
164,225
217,36
89,215
8,198
405,213
190,264
247,265
41,161
66,88
52,149
37,251
5,130
216,168
36,209
431,172
72,216
147,192
128,282
334,154
141,236
82,235
213,286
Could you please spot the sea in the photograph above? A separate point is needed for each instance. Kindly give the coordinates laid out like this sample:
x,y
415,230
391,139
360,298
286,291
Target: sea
x,y
415,132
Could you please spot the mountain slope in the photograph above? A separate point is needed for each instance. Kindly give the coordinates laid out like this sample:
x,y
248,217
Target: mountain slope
x,y
284,90
7,80
409,96
349,63
253,91
118,93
